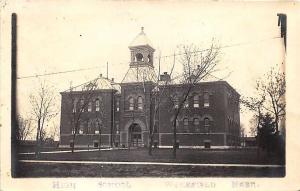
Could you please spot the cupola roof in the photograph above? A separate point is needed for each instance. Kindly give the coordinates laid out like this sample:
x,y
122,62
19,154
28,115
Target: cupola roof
x,y
141,40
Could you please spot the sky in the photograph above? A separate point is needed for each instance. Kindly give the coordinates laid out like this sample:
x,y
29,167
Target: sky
x,y
68,35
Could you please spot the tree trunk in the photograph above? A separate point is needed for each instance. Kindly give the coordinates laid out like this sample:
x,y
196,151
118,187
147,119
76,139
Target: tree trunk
x,y
150,144
174,137
73,145
37,149
276,124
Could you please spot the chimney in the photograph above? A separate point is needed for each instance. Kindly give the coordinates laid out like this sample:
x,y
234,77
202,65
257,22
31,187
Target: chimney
x,y
112,79
100,75
165,77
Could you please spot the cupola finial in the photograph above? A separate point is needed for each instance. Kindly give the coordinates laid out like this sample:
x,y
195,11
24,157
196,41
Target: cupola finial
x,y
142,29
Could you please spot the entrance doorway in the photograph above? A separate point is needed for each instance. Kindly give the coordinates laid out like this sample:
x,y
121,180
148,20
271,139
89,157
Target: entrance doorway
x,y
207,144
135,135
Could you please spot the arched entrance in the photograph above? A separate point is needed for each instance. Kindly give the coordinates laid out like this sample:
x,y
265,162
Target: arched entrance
x,y
135,135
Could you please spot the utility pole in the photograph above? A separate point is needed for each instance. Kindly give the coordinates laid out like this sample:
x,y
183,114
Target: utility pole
x,y
14,123
107,70
175,124
282,23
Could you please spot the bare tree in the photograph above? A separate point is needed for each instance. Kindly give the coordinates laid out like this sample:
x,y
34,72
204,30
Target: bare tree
x,y
43,136
274,87
196,65
98,121
255,105
80,101
269,98
25,128
43,110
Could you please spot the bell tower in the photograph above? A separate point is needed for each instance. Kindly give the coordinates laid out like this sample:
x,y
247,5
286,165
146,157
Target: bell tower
x,y
141,67
141,51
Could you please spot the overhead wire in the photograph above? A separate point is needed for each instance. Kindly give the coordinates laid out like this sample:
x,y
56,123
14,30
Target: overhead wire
x,y
54,73
162,57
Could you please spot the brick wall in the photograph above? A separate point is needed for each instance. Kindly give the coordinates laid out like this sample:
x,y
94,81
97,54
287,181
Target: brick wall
x,y
223,115
104,114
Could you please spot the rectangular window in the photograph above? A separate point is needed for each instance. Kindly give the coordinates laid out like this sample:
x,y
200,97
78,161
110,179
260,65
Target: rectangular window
x,y
176,102
140,103
185,122
80,131
118,105
131,104
206,124
117,128
89,127
196,101
81,128
74,106
97,102
90,107
206,99
81,104
186,103
197,124
196,121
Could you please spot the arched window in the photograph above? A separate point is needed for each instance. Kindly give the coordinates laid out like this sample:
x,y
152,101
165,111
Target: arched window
x,y
140,103
149,58
131,104
177,123
90,107
97,126
139,57
81,125
196,101
97,103
186,103
176,101
82,105
196,121
206,99
206,124
117,128
74,105
118,105
172,123
185,121
89,127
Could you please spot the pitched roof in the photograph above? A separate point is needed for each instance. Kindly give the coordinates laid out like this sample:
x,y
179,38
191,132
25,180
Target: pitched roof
x,y
100,82
140,74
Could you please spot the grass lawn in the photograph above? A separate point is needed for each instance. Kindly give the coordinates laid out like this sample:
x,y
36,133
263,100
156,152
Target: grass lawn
x,y
232,156
124,170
